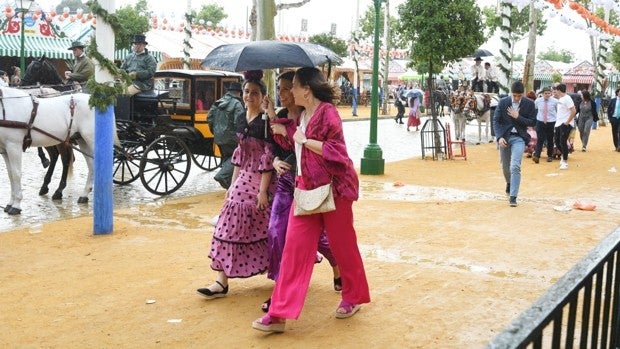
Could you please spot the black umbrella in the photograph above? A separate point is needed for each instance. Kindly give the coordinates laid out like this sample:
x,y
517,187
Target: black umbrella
x,y
268,54
482,53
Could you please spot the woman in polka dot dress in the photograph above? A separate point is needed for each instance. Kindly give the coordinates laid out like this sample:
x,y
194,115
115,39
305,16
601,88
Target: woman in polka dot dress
x,y
239,245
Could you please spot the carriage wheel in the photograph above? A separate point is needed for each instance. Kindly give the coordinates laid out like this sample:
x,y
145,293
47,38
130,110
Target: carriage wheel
x,y
126,167
207,162
165,165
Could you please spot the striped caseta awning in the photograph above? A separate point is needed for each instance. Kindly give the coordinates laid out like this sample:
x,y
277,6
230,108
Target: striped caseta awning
x,y
35,46
56,48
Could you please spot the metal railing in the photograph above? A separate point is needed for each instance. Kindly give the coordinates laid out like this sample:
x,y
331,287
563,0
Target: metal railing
x,y
580,310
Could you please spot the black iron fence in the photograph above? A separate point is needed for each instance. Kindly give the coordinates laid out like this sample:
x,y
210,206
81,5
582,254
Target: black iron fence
x,y
579,311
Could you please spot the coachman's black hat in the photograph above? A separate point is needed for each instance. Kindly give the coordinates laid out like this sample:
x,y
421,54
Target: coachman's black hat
x,y
139,39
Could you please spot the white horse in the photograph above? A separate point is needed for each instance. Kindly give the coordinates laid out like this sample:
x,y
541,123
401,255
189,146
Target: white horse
x,y
53,122
479,107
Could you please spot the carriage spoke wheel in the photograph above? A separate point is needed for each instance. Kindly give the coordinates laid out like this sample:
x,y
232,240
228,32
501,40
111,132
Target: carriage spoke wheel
x,y
126,167
207,162
165,165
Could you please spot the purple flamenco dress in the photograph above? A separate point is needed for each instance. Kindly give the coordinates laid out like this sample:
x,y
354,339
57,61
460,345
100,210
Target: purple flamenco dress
x,y
239,245
282,202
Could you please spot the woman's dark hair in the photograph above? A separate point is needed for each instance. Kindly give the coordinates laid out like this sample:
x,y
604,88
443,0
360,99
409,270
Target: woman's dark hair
x,y
320,87
255,76
585,94
289,75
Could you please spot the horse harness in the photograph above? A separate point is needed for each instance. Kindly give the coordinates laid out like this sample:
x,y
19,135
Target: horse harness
x,y
27,142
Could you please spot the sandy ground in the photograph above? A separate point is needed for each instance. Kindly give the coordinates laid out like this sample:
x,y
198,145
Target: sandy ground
x,y
450,264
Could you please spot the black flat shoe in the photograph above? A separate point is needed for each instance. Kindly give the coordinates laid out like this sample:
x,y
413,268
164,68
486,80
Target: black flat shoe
x,y
338,284
207,293
266,304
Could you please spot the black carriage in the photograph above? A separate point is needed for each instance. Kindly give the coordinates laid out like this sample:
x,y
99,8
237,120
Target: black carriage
x,y
161,132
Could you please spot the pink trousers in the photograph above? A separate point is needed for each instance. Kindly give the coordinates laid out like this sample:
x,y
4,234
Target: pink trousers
x,y
302,236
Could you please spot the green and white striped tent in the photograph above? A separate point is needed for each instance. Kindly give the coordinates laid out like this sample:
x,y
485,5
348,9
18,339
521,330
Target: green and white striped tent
x,y
35,46
57,48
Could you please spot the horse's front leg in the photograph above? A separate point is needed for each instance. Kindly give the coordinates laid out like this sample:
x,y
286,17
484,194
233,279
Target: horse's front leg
x,y
44,161
53,153
66,156
13,161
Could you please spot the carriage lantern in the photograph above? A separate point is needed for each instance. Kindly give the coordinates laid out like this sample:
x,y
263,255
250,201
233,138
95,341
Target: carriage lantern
x,y
24,7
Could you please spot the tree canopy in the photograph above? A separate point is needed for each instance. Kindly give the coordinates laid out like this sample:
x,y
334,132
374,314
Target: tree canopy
x,y
211,12
333,43
133,21
553,54
440,32
73,5
367,26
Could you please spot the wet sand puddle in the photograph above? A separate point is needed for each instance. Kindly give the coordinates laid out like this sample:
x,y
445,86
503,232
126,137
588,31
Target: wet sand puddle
x,y
604,199
177,215
394,255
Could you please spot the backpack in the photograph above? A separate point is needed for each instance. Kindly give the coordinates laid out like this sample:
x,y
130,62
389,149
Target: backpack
x,y
221,119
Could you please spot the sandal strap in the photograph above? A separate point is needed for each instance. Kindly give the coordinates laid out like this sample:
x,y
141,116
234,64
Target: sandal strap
x,y
219,283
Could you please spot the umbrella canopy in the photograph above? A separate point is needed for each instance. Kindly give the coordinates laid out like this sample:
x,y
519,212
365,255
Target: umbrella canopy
x,y
482,53
414,92
268,54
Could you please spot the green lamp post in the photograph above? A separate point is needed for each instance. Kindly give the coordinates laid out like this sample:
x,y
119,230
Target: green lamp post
x,y
24,7
372,163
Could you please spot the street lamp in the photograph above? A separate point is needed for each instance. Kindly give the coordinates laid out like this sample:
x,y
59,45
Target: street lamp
x,y
372,163
24,7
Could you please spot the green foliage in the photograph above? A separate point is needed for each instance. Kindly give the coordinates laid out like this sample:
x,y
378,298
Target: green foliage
x,y
520,26
440,31
333,43
73,5
556,77
518,58
615,55
211,12
133,21
367,27
553,54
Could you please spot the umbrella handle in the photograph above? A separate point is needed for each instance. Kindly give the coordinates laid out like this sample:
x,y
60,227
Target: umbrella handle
x,y
329,67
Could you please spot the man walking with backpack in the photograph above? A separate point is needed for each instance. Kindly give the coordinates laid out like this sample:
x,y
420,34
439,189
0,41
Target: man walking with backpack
x,y
222,122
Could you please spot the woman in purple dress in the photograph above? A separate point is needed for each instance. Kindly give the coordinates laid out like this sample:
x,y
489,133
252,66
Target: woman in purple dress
x,y
284,164
239,245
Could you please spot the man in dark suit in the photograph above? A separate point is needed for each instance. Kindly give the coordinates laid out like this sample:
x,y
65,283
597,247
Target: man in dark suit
x,y
514,114
614,119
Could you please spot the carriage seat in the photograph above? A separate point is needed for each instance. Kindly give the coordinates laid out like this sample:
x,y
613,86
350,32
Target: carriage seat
x,y
187,133
151,96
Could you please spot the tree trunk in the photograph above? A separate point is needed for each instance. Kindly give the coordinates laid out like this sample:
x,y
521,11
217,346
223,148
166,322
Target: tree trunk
x,y
528,70
265,12
599,70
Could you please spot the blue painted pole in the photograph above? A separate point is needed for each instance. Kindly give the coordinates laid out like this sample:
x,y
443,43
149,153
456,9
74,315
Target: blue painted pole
x,y
103,198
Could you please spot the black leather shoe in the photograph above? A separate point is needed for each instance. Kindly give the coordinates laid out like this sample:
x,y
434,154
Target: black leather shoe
x,y
549,159
535,158
206,292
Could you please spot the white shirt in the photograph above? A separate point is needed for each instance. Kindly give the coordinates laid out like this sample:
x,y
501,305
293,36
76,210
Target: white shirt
x,y
490,74
3,82
565,103
477,68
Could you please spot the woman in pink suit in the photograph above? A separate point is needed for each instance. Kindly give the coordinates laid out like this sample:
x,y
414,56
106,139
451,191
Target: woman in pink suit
x,y
323,158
